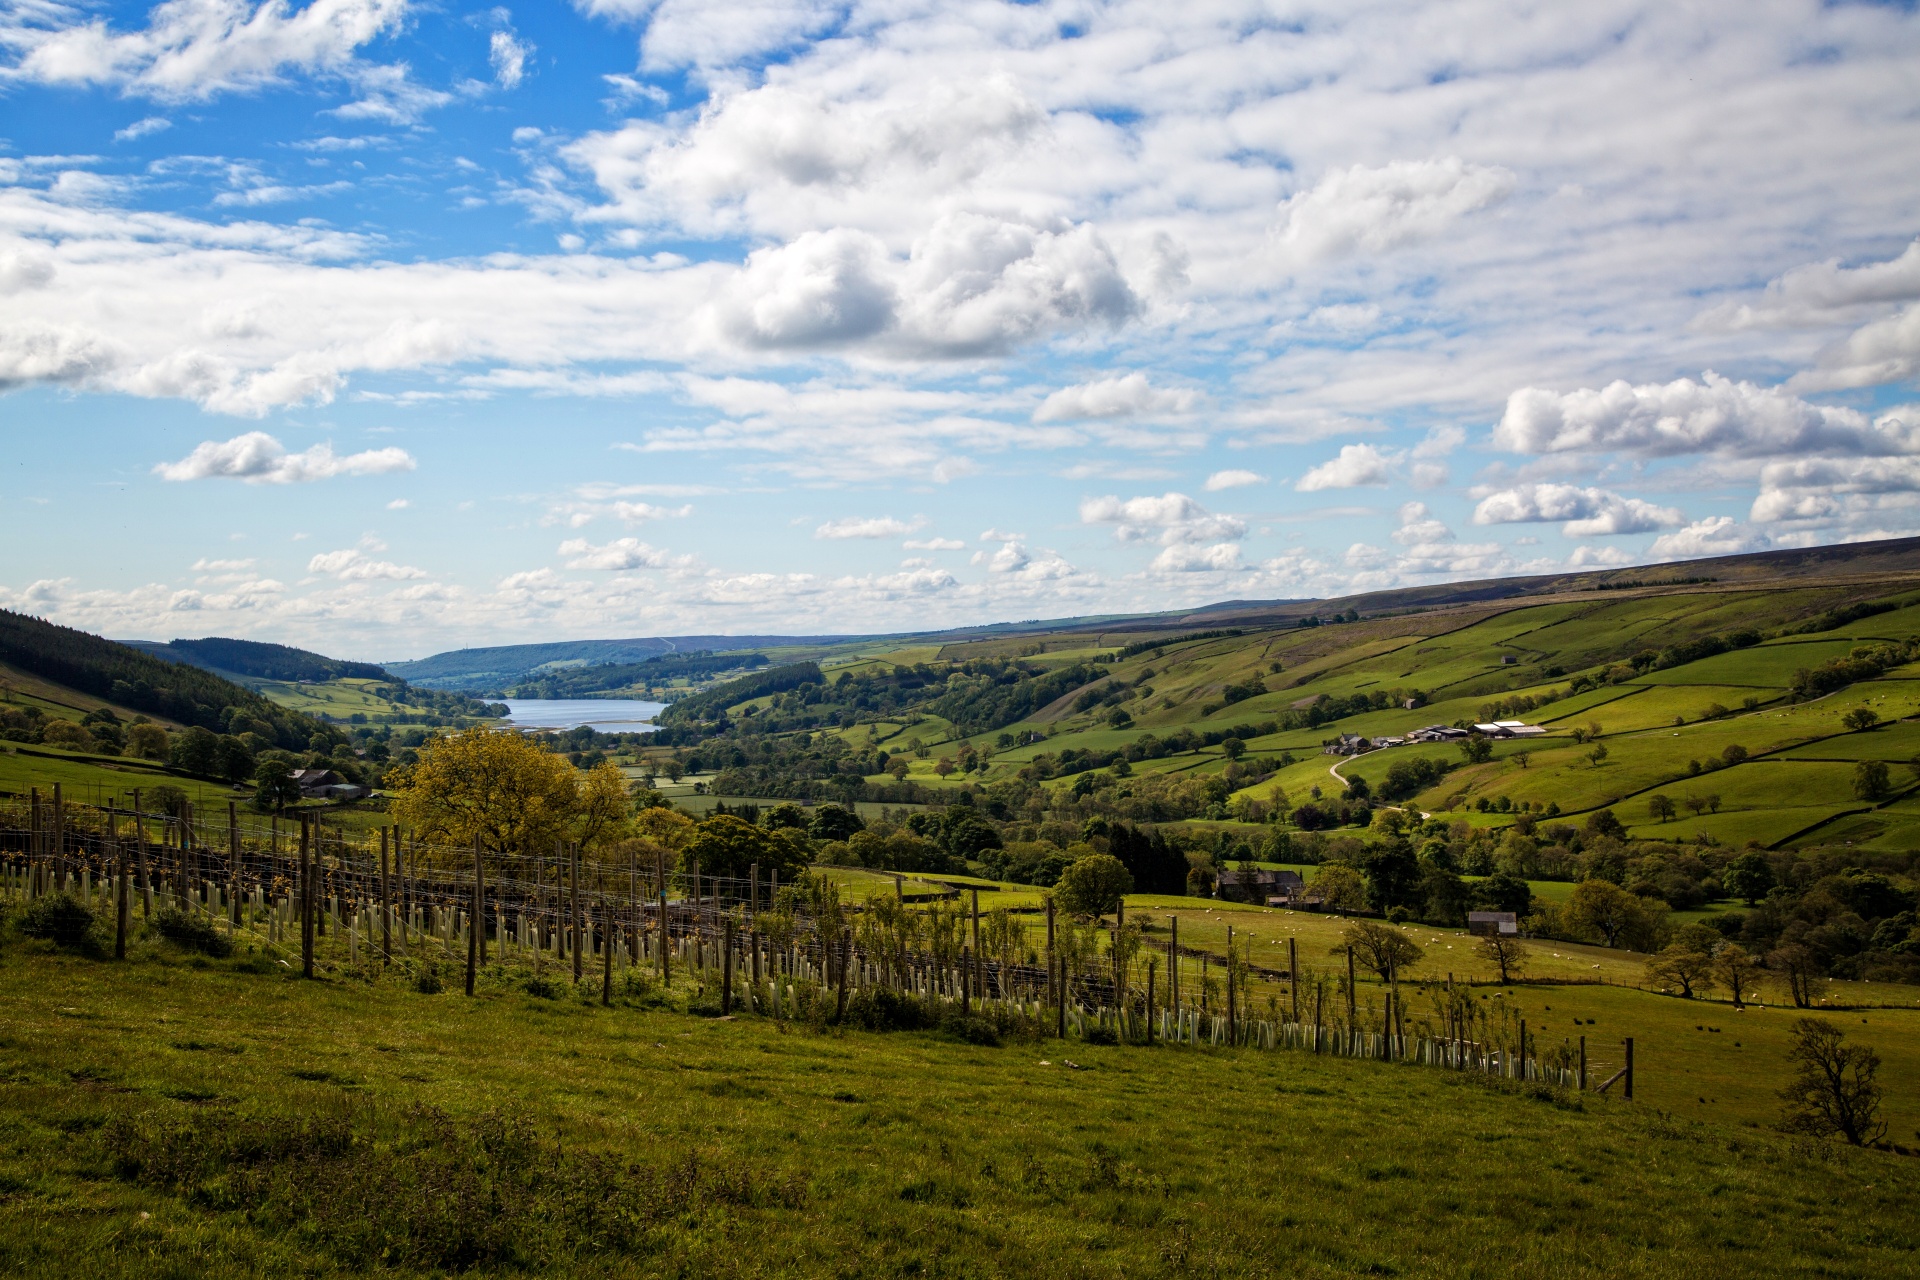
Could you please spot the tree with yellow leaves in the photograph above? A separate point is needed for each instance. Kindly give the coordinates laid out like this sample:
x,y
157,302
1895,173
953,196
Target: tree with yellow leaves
x,y
503,787
604,815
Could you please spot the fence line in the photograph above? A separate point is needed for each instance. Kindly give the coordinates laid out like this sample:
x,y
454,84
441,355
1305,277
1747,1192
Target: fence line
x,y
372,902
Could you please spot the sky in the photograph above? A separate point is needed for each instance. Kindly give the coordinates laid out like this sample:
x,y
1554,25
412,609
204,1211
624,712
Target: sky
x,y
384,327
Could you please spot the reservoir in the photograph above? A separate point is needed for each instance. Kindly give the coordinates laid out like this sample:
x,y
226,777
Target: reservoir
x,y
608,715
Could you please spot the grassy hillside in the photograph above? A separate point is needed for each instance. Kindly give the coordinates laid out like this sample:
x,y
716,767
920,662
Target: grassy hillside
x,y
167,1118
263,661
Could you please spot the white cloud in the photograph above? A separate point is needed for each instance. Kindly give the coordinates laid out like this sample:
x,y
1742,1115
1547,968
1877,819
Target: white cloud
x,y
142,128
1714,536
866,527
1886,350
1824,490
354,565
509,57
193,50
1713,415
1588,512
934,544
398,504
1607,557
1356,465
1233,479
258,458
1822,292
1000,535
621,553
204,565
1126,396
971,286
1171,519
1374,210
1221,557
641,512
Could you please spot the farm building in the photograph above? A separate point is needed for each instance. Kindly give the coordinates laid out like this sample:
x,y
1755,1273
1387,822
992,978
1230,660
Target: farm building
x,y
1275,888
1492,924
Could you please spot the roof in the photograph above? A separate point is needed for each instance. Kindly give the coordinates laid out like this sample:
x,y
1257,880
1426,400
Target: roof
x,y
1489,917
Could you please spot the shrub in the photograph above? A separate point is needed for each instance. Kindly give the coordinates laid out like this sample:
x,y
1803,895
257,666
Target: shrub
x,y
542,988
193,933
63,920
427,981
970,1028
1100,1034
881,1009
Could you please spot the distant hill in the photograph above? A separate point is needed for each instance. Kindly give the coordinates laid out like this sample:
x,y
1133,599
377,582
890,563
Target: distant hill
x,y
171,690
504,666
615,678
260,661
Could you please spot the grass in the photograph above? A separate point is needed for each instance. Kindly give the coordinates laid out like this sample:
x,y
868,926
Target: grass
x,y
165,1119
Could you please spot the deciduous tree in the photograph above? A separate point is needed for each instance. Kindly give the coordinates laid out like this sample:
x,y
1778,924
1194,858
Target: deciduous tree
x,y
1506,952
503,787
1381,948
1835,1090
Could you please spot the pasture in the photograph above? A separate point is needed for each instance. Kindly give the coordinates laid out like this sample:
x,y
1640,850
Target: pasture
x,y
167,1117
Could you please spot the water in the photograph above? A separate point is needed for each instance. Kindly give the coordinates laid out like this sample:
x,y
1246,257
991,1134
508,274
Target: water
x,y
608,715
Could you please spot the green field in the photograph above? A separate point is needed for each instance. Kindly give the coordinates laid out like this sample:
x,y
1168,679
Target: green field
x,y
169,1119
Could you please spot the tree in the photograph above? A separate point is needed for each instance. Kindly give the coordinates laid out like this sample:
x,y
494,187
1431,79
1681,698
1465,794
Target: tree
x,y
1504,892
724,845
1604,822
1835,1089
504,788
1598,753
1603,908
1506,952
1661,807
273,786
1232,748
1380,948
835,822
1736,970
1748,876
148,741
1093,886
1340,887
1393,875
1523,757
1734,754
1860,719
1801,969
603,808
1870,780
1684,964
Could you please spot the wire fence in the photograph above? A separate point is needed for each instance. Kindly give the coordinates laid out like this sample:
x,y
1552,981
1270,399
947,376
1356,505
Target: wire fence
x,y
297,887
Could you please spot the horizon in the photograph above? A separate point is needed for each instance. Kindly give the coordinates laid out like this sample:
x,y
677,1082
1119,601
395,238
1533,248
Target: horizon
x,y
366,326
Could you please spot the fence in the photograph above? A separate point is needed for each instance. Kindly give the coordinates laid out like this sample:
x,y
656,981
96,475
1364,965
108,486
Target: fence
x,y
357,900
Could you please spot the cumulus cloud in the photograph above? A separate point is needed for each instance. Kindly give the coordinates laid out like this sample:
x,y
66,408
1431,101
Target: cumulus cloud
x,y
1221,557
1822,490
1233,479
972,286
509,56
621,553
1714,536
1171,519
1605,557
354,565
1129,395
258,458
1713,415
1587,512
194,49
1821,292
934,544
1356,465
1374,210
1886,350
866,527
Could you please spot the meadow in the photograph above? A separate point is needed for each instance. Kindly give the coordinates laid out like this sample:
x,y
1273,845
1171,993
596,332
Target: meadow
x,y
168,1116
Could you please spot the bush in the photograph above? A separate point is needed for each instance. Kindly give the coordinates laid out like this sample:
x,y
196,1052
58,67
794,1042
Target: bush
x,y
883,1009
63,920
1100,1034
427,981
542,988
193,933
970,1027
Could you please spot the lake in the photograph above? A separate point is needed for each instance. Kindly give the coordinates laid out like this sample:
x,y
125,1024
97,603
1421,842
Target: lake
x,y
608,715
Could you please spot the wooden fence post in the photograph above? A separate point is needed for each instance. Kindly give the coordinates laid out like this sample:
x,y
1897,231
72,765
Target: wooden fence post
x,y
59,837
1233,1010
1293,974
1629,1080
1061,1004
476,923
1173,966
1583,1064
573,877
1352,1016
386,901
233,867
606,954
726,974
120,893
1152,964
977,993
966,976
307,896
140,852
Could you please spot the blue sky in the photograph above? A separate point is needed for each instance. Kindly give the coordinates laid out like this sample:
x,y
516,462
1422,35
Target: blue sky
x,y
383,328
